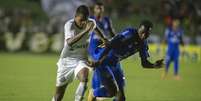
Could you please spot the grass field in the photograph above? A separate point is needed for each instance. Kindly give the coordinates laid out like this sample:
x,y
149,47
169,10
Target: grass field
x,y
31,77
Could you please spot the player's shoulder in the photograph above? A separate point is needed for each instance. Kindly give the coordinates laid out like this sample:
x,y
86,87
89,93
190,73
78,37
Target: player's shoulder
x,y
128,31
69,22
107,19
131,29
168,28
91,19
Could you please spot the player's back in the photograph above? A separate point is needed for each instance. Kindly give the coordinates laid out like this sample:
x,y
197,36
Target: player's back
x,y
123,45
127,43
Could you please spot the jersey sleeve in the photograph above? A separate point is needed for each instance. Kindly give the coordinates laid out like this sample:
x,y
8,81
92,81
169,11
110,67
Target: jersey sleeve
x,y
167,31
67,31
181,32
93,22
144,54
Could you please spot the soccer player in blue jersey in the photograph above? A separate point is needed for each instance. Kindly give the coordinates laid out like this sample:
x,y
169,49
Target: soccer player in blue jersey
x,y
104,23
173,37
121,46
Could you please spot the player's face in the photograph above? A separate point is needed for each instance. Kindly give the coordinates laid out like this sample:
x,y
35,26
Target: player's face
x,y
143,32
175,24
81,20
98,10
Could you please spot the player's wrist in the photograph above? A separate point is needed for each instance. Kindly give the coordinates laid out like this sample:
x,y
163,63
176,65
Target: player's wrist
x,y
158,64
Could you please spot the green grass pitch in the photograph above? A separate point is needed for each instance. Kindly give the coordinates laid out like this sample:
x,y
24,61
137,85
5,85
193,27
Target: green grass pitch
x,y
31,77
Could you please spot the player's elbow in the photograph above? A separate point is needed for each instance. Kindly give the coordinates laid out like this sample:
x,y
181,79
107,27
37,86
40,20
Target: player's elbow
x,y
69,42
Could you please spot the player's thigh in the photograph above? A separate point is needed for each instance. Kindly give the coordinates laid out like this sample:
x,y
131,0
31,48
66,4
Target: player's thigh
x,y
65,71
82,71
119,76
108,82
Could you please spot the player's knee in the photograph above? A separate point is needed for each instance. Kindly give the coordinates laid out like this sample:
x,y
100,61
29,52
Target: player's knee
x,y
122,98
84,79
83,75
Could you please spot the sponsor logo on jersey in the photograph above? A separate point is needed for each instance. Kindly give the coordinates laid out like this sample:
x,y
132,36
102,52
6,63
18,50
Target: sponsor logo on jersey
x,y
78,46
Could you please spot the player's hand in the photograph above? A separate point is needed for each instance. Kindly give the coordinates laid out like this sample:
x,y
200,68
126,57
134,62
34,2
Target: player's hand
x,y
89,26
101,45
104,43
159,63
92,64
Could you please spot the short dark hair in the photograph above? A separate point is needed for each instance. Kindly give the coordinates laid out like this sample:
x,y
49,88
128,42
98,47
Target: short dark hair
x,y
84,10
99,3
147,24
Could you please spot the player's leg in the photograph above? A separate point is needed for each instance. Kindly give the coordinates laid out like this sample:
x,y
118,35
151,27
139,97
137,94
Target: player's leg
x,y
83,78
167,65
119,76
65,76
176,66
109,82
102,83
59,93
91,97
120,95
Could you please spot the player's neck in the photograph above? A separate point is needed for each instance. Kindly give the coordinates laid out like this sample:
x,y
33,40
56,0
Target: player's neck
x,y
175,29
99,17
77,25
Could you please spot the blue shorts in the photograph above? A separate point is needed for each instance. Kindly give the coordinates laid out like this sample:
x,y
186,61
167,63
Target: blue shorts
x,y
106,74
172,54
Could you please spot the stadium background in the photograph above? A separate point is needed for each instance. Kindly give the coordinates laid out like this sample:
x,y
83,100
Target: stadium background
x,y
31,34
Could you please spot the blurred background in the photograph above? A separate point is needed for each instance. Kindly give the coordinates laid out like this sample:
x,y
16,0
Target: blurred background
x,y
23,21
31,39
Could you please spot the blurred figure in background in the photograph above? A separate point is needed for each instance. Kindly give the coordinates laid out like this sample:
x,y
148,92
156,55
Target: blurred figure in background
x,y
173,37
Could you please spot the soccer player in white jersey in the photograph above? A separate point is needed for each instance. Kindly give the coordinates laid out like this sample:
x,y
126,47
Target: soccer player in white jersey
x,y
74,56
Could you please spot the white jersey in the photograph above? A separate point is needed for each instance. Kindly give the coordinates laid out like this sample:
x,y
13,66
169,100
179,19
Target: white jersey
x,y
78,49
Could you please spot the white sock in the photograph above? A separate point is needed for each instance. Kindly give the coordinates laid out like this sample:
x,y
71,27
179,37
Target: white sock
x,y
53,99
79,95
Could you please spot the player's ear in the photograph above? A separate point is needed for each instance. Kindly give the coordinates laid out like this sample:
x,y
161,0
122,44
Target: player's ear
x,y
141,29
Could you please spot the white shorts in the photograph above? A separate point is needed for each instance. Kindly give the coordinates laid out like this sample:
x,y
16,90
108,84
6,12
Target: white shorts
x,y
68,69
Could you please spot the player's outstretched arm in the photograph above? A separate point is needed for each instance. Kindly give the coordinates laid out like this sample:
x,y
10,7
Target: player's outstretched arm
x,y
146,64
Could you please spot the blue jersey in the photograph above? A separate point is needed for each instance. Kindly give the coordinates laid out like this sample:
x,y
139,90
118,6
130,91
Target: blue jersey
x,y
128,44
104,25
173,38
123,45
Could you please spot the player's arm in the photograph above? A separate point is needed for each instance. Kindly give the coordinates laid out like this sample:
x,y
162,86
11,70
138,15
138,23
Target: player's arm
x,y
181,39
72,40
99,32
111,29
101,59
144,55
167,31
147,64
